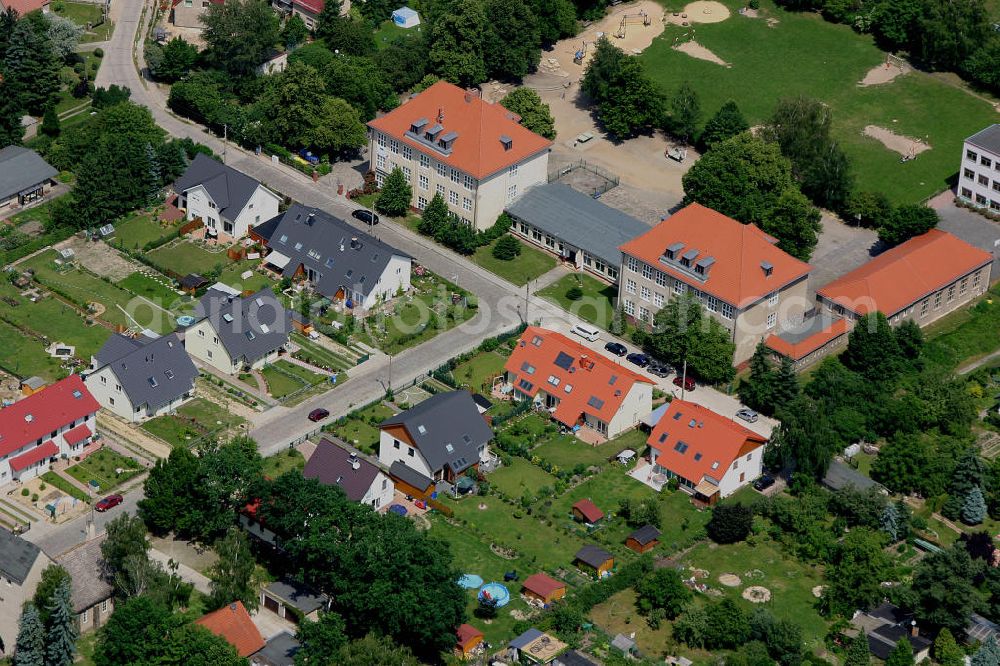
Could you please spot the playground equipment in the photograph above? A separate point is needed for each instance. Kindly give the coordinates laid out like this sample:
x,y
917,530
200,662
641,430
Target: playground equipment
x,y
581,53
625,21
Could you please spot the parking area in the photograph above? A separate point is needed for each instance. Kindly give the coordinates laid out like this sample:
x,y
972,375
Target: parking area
x,y
841,249
970,227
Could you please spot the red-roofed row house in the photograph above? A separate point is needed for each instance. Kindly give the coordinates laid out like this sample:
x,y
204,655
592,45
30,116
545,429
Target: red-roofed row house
x,y
56,421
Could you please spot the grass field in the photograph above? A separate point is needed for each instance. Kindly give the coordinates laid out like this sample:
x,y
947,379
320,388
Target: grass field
x,y
530,264
143,285
84,14
54,319
25,357
286,461
520,476
388,31
138,229
475,372
566,451
803,54
101,465
183,257
358,432
284,378
596,306
62,484
40,213
233,276
193,420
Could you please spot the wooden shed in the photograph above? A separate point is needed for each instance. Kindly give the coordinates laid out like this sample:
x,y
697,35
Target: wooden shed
x,y
543,588
468,638
644,539
596,559
587,512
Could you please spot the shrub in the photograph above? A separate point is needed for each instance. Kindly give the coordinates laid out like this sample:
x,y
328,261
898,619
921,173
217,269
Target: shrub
x,y
507,248
574,293
98,52
730,523
34,497
25,492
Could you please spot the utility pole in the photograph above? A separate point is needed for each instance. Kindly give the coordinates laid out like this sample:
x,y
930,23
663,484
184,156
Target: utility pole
x,y
526,320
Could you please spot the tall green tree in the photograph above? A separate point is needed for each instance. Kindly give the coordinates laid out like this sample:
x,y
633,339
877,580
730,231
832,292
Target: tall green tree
x,y
403,62
330,12
512,43
168,490
974,508
786,385
295,32
359,81
32,66
233,575
339,130
320,640
946,651
603,70
293,103
902,654
628,102
556,19
727,122
11,129
134,633
855,578
682,333
906,222
347,36
867,209
756,390
730,523
795,223
178,57
50,123
663,590
240,34
434,218
685,111
805,439
52,577
30,647
910,339
858,652
62,633
394,199
872,349
457,41
987,654
969,472
942,584
535,114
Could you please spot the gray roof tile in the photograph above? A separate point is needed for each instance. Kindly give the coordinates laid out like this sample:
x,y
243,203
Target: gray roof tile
x,y
17,556
230,189
248,327
334,466
85,565
151,372
988,139
21,169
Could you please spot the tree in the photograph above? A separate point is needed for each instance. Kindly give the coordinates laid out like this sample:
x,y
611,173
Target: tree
x,y
347,36
756,390
805,439
227,472
339,130
535,114
168,490
507,248
641,512
11,129
512,42
902,654
556,19
457,40
637,107
30,646
331,12
785,388
890,522
988,654
32,66
984,64
62,633
178,58
795,223
63,34
858,653
293,103
126,540
320,640
828,181
663,590
295,31
52,577
946,48
358,81
782,638
906,222
685,111
602,71
50,123
133,633
855,578
946,651
110,96
867,209
727,122
240,34
194,645
394,199
910,339
969,473
730,523
374,650
682,332
872,349
942,585
728,626
974,508
403,62
435,217
232,575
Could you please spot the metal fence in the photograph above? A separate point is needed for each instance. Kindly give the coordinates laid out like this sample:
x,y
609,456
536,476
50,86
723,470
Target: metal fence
x,y
611,180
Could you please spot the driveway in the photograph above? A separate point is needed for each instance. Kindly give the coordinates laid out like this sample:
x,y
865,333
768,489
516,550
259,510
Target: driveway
x,y
971,227
841,249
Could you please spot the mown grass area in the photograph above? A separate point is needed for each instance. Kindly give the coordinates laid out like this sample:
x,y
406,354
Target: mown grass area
x,y
280,463
319,356
284,378
477,372
52,318
101,466
138,229
65,486
193,421
155,290
41,213
965,335
86,15
25,357
566,451
520,477
804,55
233,276
387,32
597,304
361,430
185,256
527,266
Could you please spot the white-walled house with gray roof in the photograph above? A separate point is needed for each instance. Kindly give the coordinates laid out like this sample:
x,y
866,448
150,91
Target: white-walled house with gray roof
x,y
21,566
228,201
24,176
979,174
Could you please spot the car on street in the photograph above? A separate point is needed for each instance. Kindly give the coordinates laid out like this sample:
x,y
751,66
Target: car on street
x,y
616,348
658,369
365,216
638,359
747,415
109,502
763,483
684,382
318,414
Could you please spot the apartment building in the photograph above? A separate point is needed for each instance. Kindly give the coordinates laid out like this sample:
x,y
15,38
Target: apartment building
x,y
449,141
979,175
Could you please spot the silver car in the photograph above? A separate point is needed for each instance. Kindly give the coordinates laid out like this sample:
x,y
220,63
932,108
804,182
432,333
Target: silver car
x,y
747,415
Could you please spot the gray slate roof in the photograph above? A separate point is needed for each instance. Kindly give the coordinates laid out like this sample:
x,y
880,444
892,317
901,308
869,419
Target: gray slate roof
x,y
279,651
230,189
295,594
151,371
447,429
578,219
85,565
524,640
399,470
645,534
17,556
334,466
21,169
840,476
343,264
987,139
593,555
574,658
250,327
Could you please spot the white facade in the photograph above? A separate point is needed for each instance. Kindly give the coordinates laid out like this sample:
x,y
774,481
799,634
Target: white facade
x,y
381,492
262,206
12,598
105,386
202,342
742,472
391,450
637,404
394,278
476,202
7,474
979,177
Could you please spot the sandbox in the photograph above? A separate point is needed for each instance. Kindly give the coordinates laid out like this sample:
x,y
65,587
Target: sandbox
x,y
897,143
700,11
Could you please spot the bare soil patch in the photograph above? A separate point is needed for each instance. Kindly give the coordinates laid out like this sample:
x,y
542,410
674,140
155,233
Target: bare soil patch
x,y
638,36
701,11
696,50
897,143
883,73
757,594
730,580
101,259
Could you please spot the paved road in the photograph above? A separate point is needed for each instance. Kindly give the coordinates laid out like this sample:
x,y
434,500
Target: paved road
x,y
56,539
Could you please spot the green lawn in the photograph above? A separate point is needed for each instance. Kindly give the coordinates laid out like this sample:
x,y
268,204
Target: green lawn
x,y
185,256
314,354
193,420
966,334
40,213
138,229
23,356
361,430
101,465
154,289
284,378
286,461
597,304
233,276
54,319
566,451
389,31
478,370
520,476
805,55
62,484
86,14
529,265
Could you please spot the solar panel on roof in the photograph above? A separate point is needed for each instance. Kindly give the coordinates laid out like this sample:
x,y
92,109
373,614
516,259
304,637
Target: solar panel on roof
x,y
595,402
680,447
564,360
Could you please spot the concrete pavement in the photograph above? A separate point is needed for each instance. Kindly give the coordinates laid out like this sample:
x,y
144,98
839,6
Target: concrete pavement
x,y
57,539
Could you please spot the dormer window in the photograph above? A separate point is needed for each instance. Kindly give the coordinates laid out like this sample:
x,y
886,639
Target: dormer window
x,y
418,125
672,251
767,268
506,142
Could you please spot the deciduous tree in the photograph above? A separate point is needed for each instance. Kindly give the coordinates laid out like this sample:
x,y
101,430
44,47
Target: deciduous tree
x,y
339,130
64,35
535,114
685,111
556,19
855,578
394,199
295,31
727,122
240,34
730,523
907,221
320,640
359,81
434,218
457,42
663,590
682,332
233,575
942,584
512,42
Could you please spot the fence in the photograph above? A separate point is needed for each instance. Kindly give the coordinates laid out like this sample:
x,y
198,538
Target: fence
x,y
611,179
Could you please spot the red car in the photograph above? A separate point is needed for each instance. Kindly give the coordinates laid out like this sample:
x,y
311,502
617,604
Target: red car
x,y
109,502
686,382
318,415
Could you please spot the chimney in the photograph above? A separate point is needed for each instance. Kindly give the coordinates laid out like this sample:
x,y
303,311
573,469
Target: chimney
x,y
468,96
440,116
309,220
913,628
355,245
767,268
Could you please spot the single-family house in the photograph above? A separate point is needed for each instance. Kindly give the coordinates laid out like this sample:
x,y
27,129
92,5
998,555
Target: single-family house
x,y
58,421
885,625
737,271
585,511
441,438
410,482
711,456
141,378
24,175
579,386
233,624
361,479
233,333
21,566
595,559
293,601
543,588
643,540
537,648
467,639
228,201
91,593
308,11
337,260
451,142
188,13
979,175
279,651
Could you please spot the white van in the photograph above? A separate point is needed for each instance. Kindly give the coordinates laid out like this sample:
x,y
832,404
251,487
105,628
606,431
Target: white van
x,y
586,331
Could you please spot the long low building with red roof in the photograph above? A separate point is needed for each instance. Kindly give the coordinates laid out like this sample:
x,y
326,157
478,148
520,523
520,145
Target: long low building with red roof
x,y
451,142
577,385
57,421
712,456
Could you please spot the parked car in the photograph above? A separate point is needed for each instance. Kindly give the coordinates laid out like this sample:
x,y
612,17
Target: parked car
x,y
685,382
307,155
658,369
586,331
318,414
365,216
109,502
747,415
616,348
763,483
638,359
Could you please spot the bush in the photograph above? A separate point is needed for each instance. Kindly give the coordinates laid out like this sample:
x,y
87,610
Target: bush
x,y
574,293
730,523
25,492
507,248
98,52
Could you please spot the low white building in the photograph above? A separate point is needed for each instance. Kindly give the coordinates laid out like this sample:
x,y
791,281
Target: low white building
x,y
361,479
139,379
979,175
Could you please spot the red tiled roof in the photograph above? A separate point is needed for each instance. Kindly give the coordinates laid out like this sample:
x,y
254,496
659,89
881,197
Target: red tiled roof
x,y
736,276
589,510
477,151
311,6
46,450
37,415
898,278
24,6
599,385
802,348
542,584
466,633
77,434
712,441
233,623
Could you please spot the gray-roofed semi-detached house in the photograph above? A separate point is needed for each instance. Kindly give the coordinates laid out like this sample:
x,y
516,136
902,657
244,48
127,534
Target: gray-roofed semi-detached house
x,y
233,333
441,437
138,379
91,592
228,201
21,566
361,479
575,226
339,261
979,170
24,176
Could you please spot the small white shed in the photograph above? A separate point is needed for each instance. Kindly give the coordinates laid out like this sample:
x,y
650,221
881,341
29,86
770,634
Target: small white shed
x,y
404,17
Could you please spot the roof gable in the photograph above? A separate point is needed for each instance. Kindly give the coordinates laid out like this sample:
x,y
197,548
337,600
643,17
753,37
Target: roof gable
x,y
588,510
152,372
17,556
333,465
230,189
542,584
36,416
248,327
21,168
233,624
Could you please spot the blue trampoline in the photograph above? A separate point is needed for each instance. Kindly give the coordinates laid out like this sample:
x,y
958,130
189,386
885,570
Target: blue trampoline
x,y
470,581
495,591
185,320
398,509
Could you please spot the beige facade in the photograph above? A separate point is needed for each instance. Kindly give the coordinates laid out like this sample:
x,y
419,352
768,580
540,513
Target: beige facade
x,y
188,13
13,594
202,342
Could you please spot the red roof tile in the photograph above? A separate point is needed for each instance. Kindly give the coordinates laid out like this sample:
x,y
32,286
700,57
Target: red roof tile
x,y
311,6
24,6
466,633
477,151
598,384
898,278
77,434
233,623
34,417
736,276
589,510
46,450
542,584
802,348
693,442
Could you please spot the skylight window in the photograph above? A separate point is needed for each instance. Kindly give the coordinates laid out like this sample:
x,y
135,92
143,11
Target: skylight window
x,y
564,360
77,394
537,341
677,416
259,301
329,262
680,447
264,328
298,246
525,385
553,380
449,448
595,402
527,368
169,374
568,388
250,336
152,382
467,439
715,465
314,254
422,430
697,456
228,317
663,437
692,423
283,239
613,379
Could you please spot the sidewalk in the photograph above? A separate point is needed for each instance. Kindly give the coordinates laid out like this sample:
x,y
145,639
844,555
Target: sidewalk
x,y
237,382
187,574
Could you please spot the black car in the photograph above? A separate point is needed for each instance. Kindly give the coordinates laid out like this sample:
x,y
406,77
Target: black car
x,y
763,483
638,359
616,348
658,369
365,216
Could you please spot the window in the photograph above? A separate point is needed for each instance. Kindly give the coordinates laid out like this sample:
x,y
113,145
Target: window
x,y
712,304
455,176
85,615
969,173
980,199
727,311
104,606
647,271
772,320
736,464
975,280
466,203
407,173
440,189
380,161
395,443
644,314
971,154
511,192
453,197
410,453
996,185
937,300
967,193
382,140
425,162
104,379
772,298
512,171
442,170
994,205
629,307
632,264
679,287
421,202
923,307
983,180
407,153
985,161
951,293
111,400
644,293
424,181
394,147
658,299
630,286
661,279
964,285
468,182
